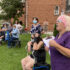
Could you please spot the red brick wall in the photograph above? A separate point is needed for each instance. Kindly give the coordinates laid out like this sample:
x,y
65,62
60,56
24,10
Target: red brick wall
x,y
44,10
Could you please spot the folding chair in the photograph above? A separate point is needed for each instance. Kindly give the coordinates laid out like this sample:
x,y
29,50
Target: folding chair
x,y
17,43
40,66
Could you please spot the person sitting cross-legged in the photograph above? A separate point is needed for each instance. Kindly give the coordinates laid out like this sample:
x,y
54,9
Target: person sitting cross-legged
x,y
38,53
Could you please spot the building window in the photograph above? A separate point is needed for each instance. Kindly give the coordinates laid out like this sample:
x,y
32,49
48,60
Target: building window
x,y
67,5
56,11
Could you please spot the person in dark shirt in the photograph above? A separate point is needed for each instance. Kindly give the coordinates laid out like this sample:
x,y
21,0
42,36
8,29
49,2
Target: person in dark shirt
x,y
36,26
1,36
38,53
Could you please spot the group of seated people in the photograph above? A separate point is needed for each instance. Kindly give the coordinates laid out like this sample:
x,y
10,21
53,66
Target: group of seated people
x,y
10,33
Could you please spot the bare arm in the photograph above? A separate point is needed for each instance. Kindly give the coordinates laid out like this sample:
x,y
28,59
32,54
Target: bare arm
x,y
64,51
29,46
46,48
37,46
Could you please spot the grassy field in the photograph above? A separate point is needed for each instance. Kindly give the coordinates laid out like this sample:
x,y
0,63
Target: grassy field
x,y
10,58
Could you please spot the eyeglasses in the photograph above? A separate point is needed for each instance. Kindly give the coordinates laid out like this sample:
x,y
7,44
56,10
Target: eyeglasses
x,y
59,21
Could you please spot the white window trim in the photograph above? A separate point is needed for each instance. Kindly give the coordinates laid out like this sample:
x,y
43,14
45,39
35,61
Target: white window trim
x,y
56,14
68,2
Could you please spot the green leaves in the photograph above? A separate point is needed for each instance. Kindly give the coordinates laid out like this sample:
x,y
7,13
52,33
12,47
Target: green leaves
x,y
55,31
11,8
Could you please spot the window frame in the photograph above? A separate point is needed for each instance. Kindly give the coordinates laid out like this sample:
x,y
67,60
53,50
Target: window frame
x,y
56,14
67,6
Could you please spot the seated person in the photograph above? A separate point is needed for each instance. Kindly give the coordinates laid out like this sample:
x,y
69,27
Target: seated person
x,y
3,30
7,32
14,36
10,27
7,35
38,53
36,26
1,37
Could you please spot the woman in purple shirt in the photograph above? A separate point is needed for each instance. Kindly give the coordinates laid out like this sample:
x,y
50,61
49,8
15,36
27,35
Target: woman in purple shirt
x,y
60,46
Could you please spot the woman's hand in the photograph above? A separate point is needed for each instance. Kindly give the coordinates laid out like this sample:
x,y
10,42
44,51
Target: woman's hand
x,y
29,46
53,43
61,49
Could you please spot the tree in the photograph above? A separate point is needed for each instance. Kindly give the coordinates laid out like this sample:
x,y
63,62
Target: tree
x,y
55,31
11,9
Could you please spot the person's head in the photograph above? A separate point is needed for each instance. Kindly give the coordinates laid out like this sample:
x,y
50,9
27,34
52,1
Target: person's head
x,y
16,22
20,22
35,20
10,25
14,27
5,25
37,38
37,34
63,23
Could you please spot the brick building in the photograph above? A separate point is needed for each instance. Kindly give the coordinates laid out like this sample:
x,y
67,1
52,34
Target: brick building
x,y
46,10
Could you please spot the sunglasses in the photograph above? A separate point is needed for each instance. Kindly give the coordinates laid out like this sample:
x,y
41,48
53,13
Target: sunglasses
x,y
59,21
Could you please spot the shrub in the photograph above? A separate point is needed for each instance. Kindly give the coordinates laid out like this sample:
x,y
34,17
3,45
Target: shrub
x,y
55,31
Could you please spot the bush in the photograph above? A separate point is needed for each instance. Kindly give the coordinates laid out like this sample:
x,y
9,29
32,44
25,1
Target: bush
x,y
55,31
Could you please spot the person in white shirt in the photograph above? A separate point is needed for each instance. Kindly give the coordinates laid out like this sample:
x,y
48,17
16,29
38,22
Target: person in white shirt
x,y
19,26
16,24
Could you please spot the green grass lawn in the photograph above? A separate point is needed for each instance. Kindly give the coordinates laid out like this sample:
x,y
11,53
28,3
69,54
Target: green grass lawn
x,y
10,59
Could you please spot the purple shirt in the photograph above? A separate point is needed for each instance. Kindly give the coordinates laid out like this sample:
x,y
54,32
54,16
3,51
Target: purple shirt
x,y
59,61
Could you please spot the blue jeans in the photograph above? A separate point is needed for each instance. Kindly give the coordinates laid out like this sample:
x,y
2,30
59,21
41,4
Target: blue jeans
x,y
11,41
